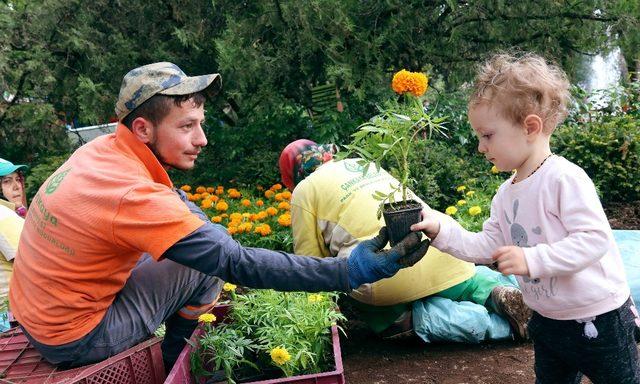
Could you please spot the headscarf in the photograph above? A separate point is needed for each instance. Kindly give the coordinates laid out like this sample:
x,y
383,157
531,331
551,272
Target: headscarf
x,y
300,158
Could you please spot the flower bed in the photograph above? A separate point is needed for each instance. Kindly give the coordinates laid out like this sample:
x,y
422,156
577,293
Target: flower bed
x,y
256,217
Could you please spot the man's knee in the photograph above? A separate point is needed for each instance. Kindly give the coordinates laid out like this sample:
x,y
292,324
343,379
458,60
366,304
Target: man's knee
x,y
193,311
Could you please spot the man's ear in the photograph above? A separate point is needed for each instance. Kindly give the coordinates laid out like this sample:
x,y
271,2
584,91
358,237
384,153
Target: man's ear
x,y
142,129
533,125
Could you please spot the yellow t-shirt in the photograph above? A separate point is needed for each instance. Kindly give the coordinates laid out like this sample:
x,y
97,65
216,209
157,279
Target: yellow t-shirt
x,y
10,228
332,211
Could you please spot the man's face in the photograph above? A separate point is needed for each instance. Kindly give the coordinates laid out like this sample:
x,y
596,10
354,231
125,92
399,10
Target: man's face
x,y
179,137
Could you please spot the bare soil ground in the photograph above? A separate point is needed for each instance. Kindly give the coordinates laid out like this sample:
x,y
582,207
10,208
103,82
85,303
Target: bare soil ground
x,y
370,360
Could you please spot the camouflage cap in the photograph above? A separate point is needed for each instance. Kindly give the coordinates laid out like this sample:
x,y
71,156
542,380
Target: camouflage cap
x,y
163,78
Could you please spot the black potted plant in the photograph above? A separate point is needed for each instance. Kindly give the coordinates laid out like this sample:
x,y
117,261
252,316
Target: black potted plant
x,y
390,137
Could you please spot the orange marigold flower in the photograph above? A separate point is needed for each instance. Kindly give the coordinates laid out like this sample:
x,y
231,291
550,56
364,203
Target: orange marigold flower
x,y
272,211
211,189
234,193
214,198
190,197
276,187
232,230
279,197
206,204
284,205
410,82
222,206
246,202
284,220
286,195
186,188
216,219
259,203
197,196
263,229
235,216
269,194
262,215
225,215
201,189
245,227
246,215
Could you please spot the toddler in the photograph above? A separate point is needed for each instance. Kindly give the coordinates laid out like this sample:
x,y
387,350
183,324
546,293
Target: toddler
x,y
547,227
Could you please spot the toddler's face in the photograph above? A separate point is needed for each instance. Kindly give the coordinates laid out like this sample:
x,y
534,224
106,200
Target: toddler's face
x,y
500,140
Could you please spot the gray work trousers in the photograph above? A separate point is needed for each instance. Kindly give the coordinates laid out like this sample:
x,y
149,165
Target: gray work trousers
x,y
153,294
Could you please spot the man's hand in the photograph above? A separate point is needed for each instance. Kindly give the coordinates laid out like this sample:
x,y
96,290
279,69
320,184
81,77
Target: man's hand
x,y
511,261
430,223
367,263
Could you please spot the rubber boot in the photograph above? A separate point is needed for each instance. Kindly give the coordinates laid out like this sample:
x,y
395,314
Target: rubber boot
x,y
178,331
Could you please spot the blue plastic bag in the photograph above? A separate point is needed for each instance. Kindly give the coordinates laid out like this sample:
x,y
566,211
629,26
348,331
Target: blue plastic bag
x,y
441,319
629,244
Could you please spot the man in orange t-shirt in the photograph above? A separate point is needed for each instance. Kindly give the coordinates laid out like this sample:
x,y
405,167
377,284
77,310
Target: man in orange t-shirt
x,y
110,249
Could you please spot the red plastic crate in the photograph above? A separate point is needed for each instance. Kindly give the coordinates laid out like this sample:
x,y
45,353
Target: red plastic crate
x,y
20,362
181,372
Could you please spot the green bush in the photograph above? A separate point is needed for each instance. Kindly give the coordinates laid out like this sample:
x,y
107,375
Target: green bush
x,y
608,149
440,169
248,152
39,173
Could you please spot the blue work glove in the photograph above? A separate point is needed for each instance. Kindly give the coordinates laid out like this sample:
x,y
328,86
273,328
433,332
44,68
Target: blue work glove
x,y
367,263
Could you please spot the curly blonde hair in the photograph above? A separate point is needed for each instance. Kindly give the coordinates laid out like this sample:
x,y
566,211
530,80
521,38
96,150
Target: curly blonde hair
x,y
523,85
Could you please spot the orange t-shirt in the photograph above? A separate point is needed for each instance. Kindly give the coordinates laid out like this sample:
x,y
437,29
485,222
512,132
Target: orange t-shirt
x,y
86,228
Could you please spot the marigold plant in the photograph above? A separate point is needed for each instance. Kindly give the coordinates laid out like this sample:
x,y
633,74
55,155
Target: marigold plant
x,y
272,211
289,331
280,355
207,318
392,135
284,205
475,200
247,214
228,287
410,82
285,220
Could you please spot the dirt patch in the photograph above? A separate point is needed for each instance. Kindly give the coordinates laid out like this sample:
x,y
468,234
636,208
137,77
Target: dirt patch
x,y
623,215
369,360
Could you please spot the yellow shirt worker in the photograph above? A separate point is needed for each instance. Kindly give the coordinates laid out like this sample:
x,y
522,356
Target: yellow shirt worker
x,y
332,210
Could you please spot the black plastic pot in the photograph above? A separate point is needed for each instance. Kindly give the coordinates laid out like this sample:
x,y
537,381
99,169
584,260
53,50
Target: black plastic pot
x,y
399,217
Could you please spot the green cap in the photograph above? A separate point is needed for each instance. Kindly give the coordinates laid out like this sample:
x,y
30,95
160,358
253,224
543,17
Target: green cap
x,y
140,84
7,167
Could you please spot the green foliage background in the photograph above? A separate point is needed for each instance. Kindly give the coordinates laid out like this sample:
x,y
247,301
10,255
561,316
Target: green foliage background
x,y
62,61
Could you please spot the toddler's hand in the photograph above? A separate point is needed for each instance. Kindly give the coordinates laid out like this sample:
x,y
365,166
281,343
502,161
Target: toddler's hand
x,y
430,224
511,261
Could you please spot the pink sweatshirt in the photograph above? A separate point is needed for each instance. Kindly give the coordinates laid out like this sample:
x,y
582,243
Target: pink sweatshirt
x,y
555,215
